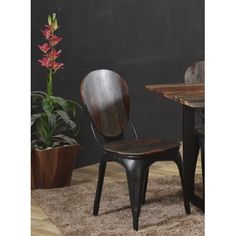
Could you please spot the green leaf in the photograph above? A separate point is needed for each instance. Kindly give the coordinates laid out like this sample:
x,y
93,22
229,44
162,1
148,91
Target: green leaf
x,y
36,144
46,105
35,95
65,117
56,143
55,25
74,107
39,93
53,15
34,117
43,131
49,20
60,101
51,121
65,139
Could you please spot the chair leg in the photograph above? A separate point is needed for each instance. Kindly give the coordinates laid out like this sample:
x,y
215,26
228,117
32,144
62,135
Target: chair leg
x,y
135,173
201,143
202,147
203,170
194,164
179,163
145,187
101,173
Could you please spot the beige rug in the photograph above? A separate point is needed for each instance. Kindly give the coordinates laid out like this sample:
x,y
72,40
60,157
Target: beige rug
x,y
70,209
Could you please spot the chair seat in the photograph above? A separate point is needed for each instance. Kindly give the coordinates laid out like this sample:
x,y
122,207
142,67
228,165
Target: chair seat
x,y
140,147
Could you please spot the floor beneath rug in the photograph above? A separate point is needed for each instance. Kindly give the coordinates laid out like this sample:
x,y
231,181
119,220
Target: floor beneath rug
x,y
163,214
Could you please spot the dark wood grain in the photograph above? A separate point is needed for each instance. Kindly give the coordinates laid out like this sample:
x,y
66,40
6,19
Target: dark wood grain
x,y
52,168
140,147
191,95
106,96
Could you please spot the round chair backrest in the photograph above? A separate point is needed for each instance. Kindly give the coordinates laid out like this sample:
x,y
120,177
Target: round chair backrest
x,y
106,96
195,73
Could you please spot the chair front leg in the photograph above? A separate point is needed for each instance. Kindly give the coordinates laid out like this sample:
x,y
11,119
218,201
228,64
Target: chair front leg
x,y
101,174
135,172
145,187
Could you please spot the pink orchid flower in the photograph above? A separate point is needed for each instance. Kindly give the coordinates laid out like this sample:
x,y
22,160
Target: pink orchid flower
x,y
54,54
45,62
56,65
47,33
54,40
45,47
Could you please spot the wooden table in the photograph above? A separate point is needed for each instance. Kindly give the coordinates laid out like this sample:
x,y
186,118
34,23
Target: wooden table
x,y
191,96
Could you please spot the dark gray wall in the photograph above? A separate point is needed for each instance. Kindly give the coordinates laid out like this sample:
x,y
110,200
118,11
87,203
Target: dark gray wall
x,y
148,41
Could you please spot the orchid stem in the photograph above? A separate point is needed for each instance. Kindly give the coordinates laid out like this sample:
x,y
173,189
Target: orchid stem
x,y
49,83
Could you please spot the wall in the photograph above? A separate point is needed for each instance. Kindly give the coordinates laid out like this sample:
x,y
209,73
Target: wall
x,y
148,41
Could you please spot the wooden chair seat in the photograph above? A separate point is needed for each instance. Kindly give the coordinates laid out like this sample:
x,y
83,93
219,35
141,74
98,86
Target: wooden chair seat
x,y
141,147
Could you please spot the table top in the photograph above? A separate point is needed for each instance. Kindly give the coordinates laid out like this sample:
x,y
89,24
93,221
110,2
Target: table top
x,y
191,95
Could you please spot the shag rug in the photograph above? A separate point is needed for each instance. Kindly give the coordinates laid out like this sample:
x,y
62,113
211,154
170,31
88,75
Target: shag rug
x,y
163,214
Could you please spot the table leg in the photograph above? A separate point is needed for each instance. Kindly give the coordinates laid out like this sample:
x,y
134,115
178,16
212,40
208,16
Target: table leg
x,y
189,155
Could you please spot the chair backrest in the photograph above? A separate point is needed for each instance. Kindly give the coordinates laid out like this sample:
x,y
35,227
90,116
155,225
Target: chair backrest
x,y
106,96
195,73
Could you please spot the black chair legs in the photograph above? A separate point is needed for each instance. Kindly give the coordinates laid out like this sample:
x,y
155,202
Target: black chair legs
x,y
101,173
137,171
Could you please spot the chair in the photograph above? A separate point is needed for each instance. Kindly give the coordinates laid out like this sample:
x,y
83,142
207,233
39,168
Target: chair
x,y
195,73
106,97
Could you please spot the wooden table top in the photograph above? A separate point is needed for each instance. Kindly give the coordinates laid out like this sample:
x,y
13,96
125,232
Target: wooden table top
x,y
191,95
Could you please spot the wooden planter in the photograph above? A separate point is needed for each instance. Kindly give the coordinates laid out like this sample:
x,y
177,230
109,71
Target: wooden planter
x,y
52,168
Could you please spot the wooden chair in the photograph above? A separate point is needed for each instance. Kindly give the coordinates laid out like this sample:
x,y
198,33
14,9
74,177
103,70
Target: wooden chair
x,y
106,97
195,73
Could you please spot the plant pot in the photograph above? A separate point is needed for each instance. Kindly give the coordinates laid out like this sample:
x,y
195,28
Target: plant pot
x,y
52,167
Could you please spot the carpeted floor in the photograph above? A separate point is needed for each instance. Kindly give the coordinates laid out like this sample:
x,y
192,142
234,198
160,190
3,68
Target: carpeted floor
x,y
163,214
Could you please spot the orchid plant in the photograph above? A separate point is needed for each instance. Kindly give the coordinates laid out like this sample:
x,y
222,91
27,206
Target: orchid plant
x,y
50,53
54,120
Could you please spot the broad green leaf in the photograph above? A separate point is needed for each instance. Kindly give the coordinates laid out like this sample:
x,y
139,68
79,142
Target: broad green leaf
x,y
66,139
65,117
51,120
42,129
74,107
61,102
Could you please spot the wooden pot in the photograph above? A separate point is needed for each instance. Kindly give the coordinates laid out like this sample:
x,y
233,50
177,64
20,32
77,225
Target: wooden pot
x,y
52,168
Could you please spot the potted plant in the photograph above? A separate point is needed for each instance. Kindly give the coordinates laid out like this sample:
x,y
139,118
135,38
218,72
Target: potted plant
x,y
54,123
